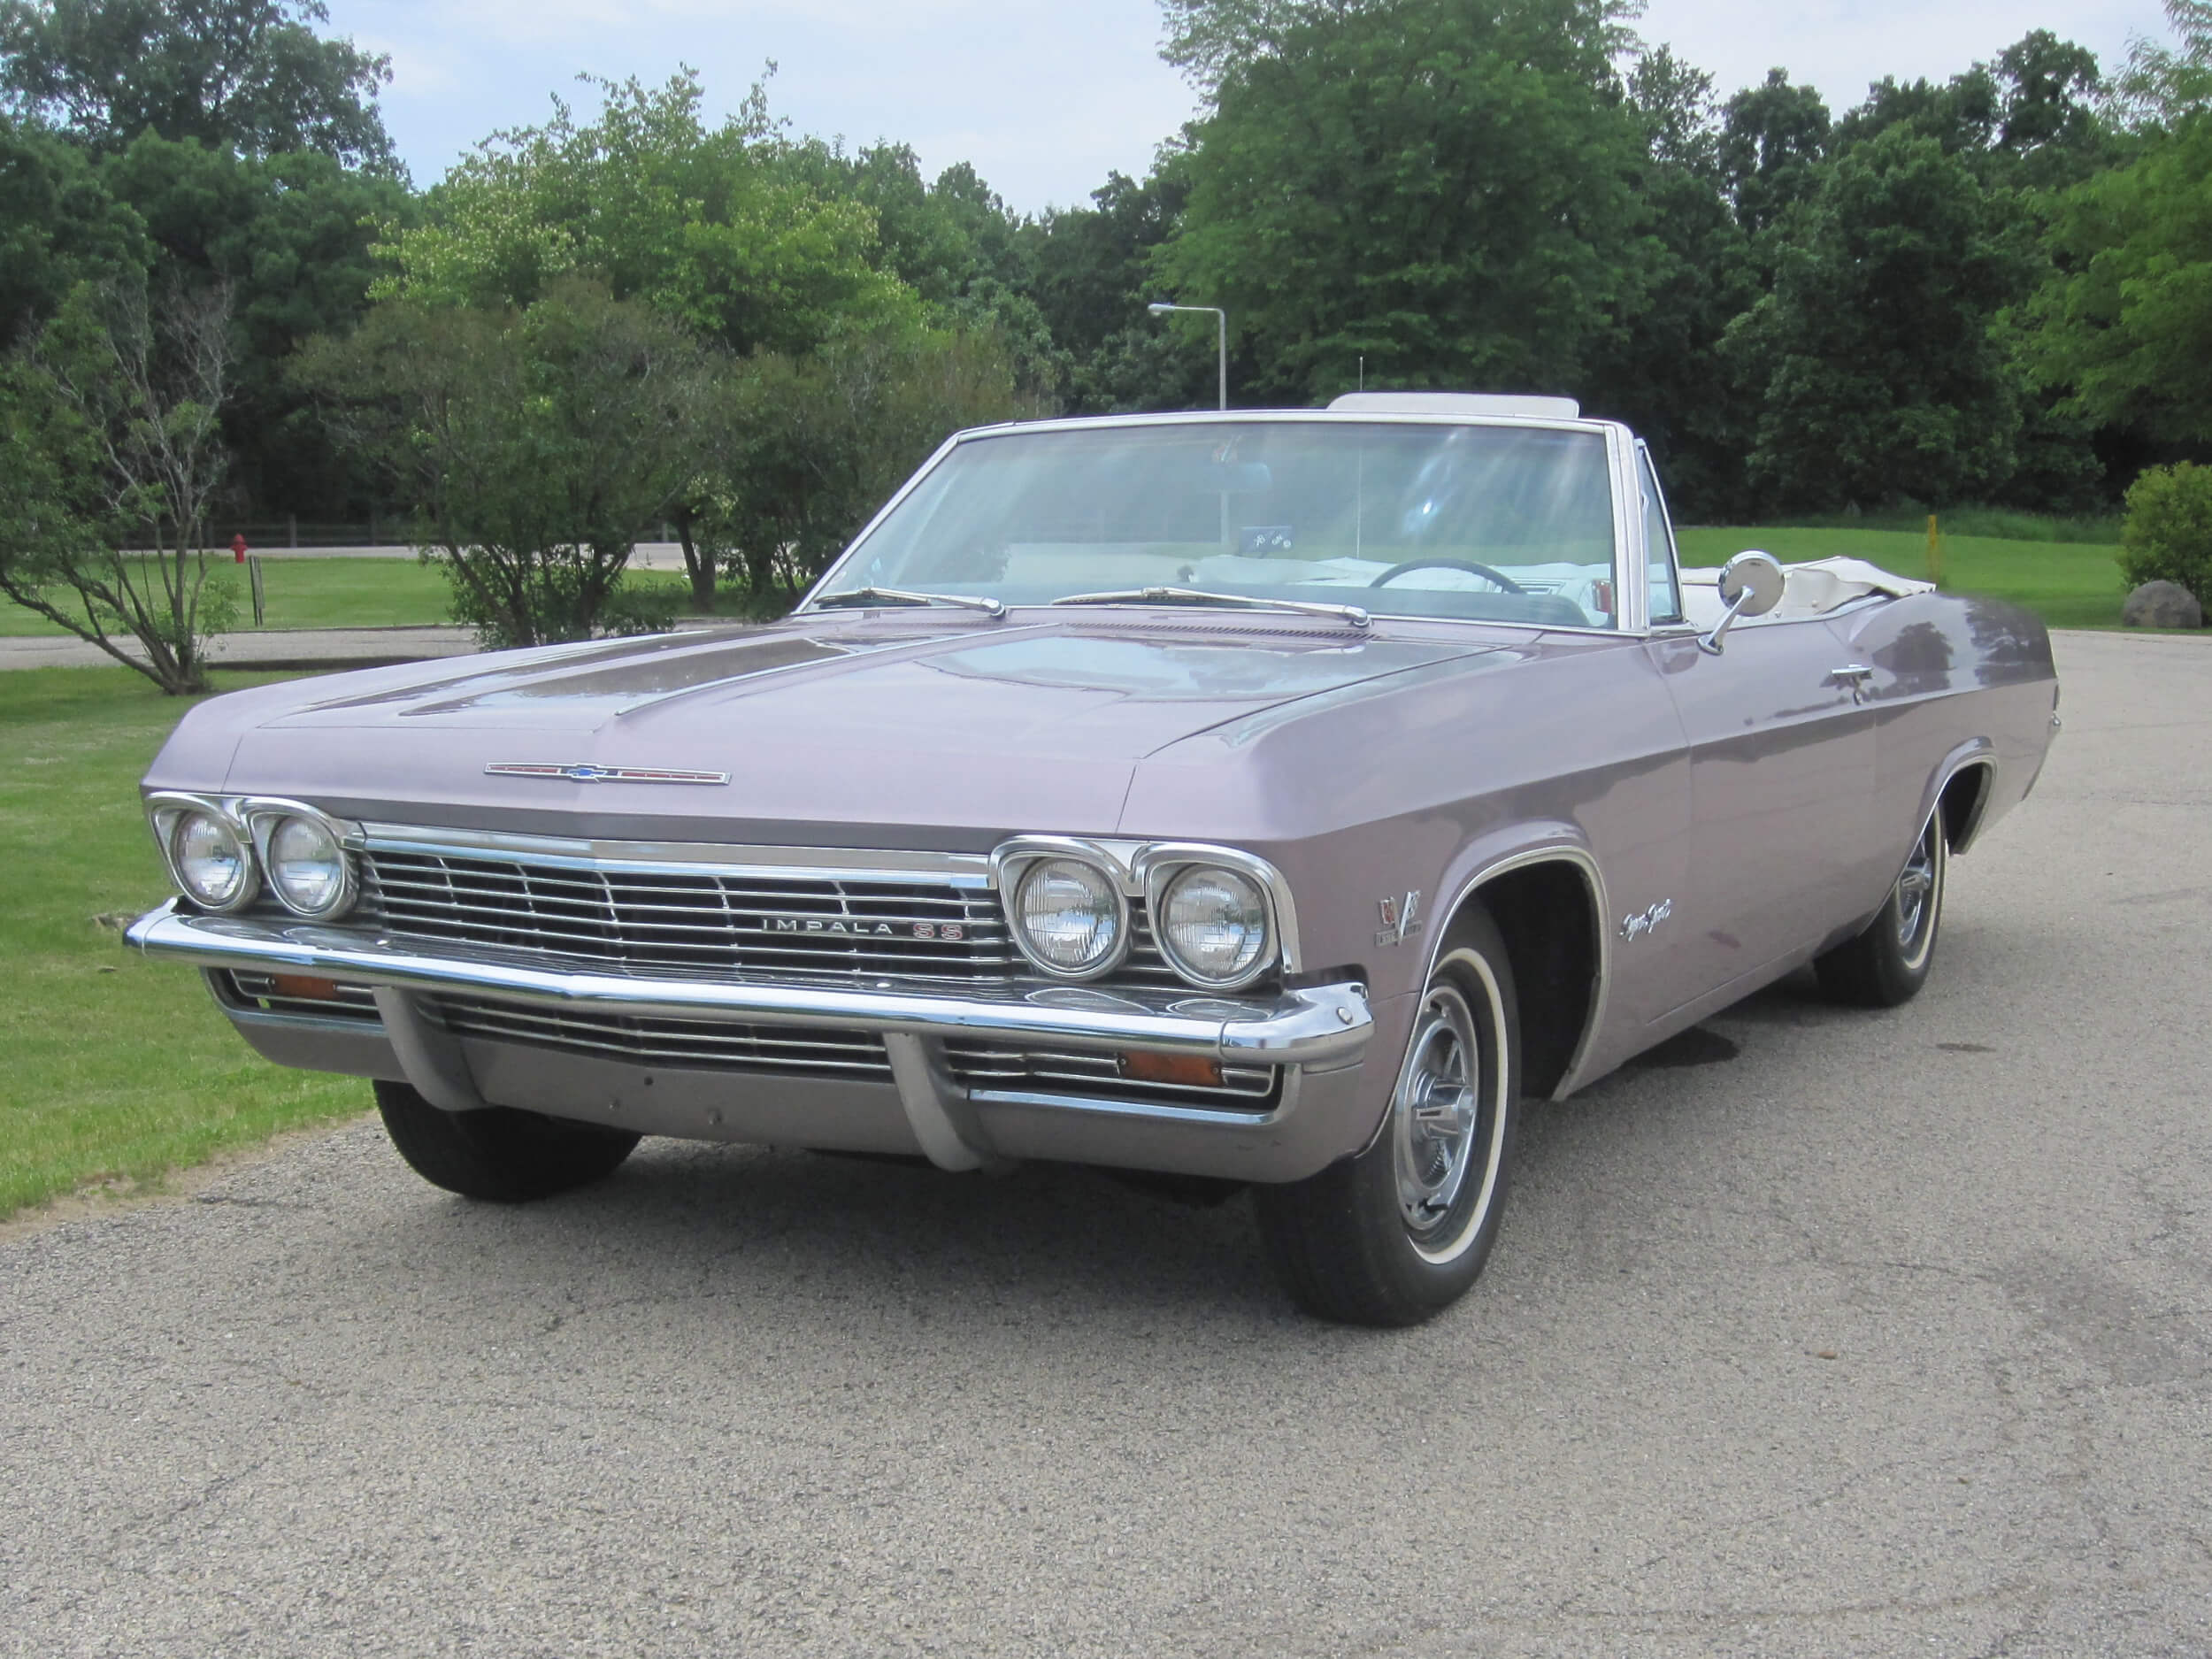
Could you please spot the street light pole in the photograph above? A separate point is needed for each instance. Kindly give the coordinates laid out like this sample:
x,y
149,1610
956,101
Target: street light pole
x,y
1221,322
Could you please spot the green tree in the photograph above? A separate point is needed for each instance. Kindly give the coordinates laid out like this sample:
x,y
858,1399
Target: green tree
x,y
2025,125
289,235
58,226
1879,374
1443,188
2123,324
248,75
2168,534
1773,144
702,224
2026,119
778,252
2050,116
2160,86
1962,114
955,242
822,441
1661,370
1094,276
110,454
534,446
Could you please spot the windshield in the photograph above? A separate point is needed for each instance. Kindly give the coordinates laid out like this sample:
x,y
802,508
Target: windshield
x,y
1509,524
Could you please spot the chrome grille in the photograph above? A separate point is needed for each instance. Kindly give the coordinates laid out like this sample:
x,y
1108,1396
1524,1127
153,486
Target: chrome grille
x,y
711,920
1144,964
714,920
989,1067
684,1044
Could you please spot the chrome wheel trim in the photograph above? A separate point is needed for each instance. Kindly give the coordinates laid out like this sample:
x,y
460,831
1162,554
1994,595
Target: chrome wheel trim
x,y
1917,899
1447,1117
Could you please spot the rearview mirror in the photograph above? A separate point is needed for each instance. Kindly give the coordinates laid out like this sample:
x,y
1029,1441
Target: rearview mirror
x,y
1750,586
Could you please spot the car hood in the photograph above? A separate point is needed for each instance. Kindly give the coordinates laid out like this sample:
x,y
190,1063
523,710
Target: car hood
x,y
824,727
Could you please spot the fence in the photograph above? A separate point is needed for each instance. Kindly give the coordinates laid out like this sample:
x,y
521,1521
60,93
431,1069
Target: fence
x,y
272,534
296,532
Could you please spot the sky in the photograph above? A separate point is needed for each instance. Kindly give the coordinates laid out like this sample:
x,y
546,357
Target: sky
x,y
1045,98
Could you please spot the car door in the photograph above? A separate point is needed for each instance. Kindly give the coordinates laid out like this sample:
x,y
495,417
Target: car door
x,y
1781,783
1782,776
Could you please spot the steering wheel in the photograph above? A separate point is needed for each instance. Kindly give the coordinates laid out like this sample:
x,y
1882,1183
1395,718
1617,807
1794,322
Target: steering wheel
x,y
1504,581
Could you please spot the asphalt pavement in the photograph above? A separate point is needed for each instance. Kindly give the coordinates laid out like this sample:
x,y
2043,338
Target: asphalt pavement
x,y
1825,1332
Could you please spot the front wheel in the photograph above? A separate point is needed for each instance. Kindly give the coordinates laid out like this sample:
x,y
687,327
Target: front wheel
x,y
1887,964
1397,1233
500,1153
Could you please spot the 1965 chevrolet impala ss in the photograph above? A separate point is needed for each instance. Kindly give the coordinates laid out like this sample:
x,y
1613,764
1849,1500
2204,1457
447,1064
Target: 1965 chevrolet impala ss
x,y
1278,798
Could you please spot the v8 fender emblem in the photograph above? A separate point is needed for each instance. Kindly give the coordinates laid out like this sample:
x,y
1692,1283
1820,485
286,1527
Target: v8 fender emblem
x,y
1401,918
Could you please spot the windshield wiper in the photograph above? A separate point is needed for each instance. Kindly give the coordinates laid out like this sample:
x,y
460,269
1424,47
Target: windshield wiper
x,y
900,597
1352,614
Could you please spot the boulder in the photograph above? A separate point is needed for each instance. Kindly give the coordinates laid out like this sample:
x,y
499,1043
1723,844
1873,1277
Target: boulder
x,y
2161,605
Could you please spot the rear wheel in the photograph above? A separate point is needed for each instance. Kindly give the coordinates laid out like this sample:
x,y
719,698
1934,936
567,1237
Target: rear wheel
x,y
500,1153
1887,964
1399,1232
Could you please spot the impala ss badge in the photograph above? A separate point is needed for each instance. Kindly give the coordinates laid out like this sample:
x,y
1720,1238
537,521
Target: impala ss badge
x,y
583,772
845,927
1635,927
1401,918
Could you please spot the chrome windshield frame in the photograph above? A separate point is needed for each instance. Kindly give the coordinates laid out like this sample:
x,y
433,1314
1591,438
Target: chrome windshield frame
x,y
1631,614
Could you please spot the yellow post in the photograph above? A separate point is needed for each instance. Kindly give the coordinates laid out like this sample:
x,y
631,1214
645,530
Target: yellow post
x,y
1935,552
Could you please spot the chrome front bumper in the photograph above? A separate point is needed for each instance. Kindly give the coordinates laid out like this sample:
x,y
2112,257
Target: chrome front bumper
x,y
1324,1028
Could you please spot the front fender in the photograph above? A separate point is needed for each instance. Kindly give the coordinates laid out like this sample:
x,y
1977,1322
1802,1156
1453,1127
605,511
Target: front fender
x,y
1503,851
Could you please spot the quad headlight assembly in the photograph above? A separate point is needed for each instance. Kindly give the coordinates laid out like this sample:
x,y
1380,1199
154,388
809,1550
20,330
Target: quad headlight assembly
x,y
224,850
1219,918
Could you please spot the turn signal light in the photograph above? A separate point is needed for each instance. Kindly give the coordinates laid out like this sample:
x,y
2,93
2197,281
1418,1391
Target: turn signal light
x,y
1189,1070
305,987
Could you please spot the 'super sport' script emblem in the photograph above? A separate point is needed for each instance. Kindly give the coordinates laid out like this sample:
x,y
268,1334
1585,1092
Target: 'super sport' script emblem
x,y
584,771
953,932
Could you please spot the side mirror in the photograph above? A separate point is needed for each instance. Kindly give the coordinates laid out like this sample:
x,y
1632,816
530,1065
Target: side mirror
x,y
1750,586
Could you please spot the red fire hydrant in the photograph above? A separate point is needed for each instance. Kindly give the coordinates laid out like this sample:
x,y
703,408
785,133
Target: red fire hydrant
x,y
238,548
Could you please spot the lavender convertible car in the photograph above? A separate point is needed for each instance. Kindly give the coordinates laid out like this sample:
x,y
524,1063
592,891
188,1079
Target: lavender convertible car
x,y
1267,798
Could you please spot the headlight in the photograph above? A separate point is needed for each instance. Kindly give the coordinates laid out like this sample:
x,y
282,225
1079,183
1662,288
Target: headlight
x,y
1212,926
211,860
307,867
1069,917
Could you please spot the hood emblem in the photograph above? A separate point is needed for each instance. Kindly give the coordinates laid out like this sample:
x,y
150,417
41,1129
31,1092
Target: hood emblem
x,y
583,772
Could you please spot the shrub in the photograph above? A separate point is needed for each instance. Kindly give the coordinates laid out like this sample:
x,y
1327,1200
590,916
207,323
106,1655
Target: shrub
x,y
2167,534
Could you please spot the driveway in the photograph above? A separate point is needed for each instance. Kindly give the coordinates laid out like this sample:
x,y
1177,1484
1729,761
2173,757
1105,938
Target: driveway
x,y
1822,1333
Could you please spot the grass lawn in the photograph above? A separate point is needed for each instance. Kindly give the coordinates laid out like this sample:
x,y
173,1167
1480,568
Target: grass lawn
x,y
2068,584
341,593
116,1069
